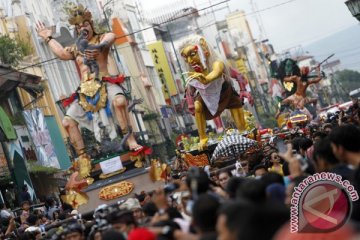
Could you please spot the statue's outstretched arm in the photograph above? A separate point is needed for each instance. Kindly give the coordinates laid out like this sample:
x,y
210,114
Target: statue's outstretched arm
x,y
290,78
61,52
216,72
46,34
107,39
318,78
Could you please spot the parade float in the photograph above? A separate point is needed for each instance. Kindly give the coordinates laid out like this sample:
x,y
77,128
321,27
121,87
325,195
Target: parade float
x,y
223,148
294,107
112,165
208,86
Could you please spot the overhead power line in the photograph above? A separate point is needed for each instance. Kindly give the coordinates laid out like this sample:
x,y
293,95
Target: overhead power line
x,y
171,20
32,65
132,33
268,8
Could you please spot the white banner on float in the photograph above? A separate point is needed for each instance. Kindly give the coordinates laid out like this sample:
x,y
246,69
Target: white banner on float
x,y
111,165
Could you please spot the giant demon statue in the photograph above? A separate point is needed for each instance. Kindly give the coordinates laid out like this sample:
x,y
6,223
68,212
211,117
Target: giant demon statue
x,y
100,97
208,88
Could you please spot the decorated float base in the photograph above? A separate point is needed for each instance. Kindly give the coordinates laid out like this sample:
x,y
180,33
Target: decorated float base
x,y
199,158
116,177
139,177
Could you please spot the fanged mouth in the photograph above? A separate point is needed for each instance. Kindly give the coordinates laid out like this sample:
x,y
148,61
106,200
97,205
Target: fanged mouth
x,y
196,67
85,33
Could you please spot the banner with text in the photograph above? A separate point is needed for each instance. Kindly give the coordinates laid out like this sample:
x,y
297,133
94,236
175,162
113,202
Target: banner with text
x,y
163,70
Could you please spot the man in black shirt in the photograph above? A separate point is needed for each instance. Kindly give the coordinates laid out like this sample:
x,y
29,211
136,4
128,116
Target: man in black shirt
x,y
25,195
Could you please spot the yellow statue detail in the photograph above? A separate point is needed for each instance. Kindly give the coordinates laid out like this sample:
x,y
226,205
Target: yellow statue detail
x,y
208,88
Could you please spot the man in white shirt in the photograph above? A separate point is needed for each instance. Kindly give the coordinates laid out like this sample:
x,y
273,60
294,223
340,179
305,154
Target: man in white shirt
x,y
4,213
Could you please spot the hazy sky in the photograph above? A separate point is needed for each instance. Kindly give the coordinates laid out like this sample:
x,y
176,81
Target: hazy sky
x,y
298,22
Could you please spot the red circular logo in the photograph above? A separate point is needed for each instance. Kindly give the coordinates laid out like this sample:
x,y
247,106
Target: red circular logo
x,y
325,207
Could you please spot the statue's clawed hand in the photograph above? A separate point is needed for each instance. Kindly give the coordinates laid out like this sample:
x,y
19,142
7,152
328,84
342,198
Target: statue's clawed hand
x,y
92,54
199,76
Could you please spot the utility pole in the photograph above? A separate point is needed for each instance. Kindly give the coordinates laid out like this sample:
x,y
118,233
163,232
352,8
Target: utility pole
x,y
257,89
262,33
177,59
113,48
254,91
262,55
179,65
177,89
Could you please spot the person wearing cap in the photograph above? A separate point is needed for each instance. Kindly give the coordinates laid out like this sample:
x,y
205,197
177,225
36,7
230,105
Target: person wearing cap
x,y
74,212
133,205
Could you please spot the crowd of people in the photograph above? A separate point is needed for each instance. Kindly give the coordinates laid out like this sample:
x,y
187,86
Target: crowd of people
x,y
252,202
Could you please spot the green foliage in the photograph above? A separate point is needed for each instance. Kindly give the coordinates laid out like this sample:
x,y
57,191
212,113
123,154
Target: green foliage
x,y
5,179
11,51
349,79
267,121
159,151
165,151
150,116
25,44
36,169
170,148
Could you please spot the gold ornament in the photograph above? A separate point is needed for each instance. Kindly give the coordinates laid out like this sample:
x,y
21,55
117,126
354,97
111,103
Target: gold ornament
x,y
84,164
250,122
77,13
104,176
75,198
200,160
116,190
90,90
138,160
288,86
155,170
299,118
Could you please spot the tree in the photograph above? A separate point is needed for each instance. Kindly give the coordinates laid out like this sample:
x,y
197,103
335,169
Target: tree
x,y
349,79
11,52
